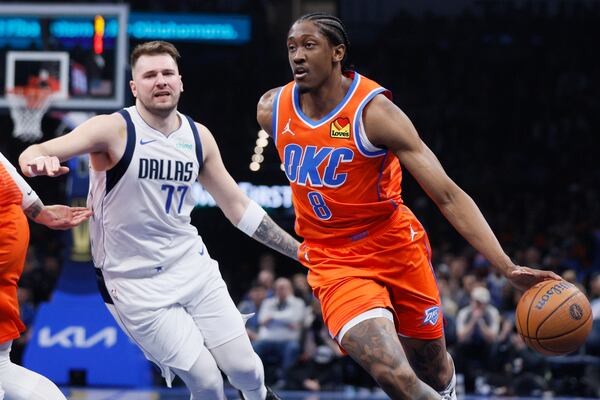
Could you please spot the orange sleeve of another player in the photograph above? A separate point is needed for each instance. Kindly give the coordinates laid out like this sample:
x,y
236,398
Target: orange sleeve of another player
x,y
14,239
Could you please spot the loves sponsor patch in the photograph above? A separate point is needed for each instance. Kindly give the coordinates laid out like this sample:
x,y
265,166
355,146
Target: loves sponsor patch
x,y
340,128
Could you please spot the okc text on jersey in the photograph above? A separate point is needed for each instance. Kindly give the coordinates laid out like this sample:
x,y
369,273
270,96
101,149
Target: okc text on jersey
x,y
302,165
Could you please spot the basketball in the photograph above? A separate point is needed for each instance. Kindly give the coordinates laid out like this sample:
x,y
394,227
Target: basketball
x,y
554,317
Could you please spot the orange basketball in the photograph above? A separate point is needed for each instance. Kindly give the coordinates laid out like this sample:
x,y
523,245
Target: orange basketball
x,y
554,317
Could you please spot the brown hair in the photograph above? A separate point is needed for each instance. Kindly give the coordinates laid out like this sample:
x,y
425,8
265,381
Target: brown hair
x,y
153,48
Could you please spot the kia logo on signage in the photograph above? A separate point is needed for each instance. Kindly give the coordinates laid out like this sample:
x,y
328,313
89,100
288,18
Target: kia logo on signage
x,y
77,337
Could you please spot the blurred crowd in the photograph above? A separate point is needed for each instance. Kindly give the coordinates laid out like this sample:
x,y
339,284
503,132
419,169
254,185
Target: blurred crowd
x,y
288,333
507,97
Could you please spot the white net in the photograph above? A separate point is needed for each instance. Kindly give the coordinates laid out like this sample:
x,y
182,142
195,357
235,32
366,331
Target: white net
x,y
27,108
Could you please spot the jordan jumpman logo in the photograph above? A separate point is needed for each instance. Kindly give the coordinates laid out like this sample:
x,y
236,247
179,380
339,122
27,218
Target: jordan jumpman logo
x,y
287,128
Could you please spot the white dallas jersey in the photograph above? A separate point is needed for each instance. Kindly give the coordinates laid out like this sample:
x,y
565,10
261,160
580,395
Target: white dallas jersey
x,y
142,205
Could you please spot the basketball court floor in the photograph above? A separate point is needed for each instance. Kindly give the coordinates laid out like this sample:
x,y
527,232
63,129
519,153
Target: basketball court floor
x,y
182,394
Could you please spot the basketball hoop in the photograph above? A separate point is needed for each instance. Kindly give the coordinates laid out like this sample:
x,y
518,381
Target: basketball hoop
x,y
28,104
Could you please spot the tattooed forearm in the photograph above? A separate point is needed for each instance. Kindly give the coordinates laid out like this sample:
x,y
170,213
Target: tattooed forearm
x,y
34,210
270,234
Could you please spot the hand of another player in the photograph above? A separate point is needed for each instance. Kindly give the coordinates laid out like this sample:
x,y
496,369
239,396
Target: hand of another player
x,y
63,217
45,165
524,277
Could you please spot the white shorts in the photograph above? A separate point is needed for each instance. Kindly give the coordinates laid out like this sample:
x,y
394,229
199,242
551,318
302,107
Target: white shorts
x,y
173,313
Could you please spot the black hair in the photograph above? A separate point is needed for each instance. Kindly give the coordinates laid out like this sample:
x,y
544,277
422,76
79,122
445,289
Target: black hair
x,y
333,28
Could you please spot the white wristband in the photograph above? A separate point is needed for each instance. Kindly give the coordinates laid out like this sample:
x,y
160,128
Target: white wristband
x,y
251,219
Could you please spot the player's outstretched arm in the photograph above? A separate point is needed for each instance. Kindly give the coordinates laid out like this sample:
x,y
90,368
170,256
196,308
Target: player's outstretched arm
x,y
237,207
57,216
387,125
100,134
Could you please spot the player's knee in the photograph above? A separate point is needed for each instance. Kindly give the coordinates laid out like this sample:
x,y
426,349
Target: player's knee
x,y
208,381
247,374
204,379
401,380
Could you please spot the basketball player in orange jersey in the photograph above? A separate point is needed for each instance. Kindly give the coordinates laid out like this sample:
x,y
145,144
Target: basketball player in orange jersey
x,y
17,199
341,141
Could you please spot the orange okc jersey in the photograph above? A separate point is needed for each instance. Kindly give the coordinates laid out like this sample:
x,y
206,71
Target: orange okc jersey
x,y
342,185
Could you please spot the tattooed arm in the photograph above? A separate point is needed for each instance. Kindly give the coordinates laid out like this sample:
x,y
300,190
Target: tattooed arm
x,y
55,217
245,214
270,234
33,211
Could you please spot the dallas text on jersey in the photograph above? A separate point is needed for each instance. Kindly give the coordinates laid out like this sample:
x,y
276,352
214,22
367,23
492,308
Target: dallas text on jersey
x,y
168,170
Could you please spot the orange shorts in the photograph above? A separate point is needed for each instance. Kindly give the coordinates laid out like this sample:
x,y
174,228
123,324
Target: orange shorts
x,y
389,268
14,238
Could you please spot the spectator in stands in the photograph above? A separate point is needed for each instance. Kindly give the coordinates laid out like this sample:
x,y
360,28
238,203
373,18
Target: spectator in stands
x,y
265,278
462,296
449,310
319,367
593,342
267,261
280,320
519,370
251,308
477,327
301,288
592,345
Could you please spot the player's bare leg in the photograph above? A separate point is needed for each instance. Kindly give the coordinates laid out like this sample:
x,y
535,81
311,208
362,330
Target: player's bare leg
x,y
431,361
374,345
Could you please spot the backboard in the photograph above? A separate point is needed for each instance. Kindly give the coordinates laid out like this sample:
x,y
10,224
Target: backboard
x,y
81,48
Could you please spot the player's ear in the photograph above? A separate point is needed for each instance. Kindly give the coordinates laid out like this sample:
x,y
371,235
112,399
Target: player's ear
x,y
133,88
181,79
339,52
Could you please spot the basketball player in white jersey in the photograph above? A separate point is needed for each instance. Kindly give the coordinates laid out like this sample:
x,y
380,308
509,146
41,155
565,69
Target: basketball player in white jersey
x,y
155,273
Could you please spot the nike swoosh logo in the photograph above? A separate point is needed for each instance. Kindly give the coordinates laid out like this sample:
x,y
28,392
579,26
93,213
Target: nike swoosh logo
x,y
143,142
201,252
31,191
